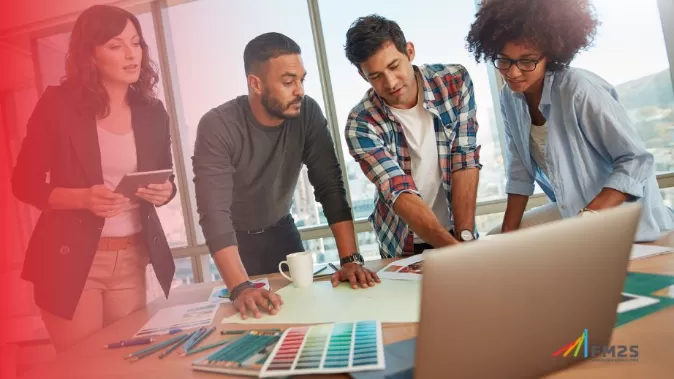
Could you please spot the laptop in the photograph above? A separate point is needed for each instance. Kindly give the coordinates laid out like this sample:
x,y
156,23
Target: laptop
x,y
503,307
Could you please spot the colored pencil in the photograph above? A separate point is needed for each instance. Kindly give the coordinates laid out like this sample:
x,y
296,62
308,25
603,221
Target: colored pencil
x,y
192,338
235,332
174,346
207,347
131,342
199,339
136,355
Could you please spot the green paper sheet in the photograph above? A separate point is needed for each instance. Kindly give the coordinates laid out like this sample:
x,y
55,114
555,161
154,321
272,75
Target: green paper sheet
x,y
388,301
644,285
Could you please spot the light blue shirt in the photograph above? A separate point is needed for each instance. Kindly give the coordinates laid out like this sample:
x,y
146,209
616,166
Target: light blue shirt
x,y
591,145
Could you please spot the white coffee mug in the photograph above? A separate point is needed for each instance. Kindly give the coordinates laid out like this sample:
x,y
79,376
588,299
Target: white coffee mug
x,y
301,268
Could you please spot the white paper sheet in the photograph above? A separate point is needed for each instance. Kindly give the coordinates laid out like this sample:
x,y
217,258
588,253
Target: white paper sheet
x,y
388,301
403,269
645,251
180,317
220,294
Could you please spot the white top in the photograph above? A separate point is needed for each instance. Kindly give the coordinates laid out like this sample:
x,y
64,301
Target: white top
x,y
118,157
537,140
417,125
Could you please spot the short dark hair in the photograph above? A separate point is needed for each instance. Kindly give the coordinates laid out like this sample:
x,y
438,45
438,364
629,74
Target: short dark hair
x,y
267,46
559,28
367,35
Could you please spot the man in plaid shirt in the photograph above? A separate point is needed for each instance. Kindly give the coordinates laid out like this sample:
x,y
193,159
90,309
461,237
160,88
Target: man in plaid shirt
x,y
414,136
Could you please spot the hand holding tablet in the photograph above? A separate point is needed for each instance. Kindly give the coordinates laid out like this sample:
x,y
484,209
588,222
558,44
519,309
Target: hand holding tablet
x,y
151,186
156,194
102,202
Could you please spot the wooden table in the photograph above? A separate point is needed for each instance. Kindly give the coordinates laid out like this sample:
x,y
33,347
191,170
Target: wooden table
x,y
654,334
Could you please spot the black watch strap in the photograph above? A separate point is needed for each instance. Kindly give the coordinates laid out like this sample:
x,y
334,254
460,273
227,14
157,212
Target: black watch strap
x,y
353,258
236,291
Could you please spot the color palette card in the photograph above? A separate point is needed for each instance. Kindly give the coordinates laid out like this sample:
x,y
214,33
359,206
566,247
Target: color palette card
x,y
328,348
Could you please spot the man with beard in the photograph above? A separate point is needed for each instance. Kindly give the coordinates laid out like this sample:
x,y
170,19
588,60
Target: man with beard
x,y
247,159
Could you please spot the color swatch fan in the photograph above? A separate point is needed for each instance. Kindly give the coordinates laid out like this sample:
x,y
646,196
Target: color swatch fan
x,y
329,348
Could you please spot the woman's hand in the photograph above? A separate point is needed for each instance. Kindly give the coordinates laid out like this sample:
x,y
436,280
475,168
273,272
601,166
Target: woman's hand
x,y
156,194
103,202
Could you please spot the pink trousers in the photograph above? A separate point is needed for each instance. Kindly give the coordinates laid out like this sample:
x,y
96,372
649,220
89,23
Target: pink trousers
x,y
114,288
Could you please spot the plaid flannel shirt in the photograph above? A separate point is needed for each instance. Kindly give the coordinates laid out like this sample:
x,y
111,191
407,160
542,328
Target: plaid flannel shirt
x,y
377,142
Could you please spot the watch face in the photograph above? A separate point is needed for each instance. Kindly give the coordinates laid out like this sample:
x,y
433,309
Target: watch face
x,y
354,258
466,235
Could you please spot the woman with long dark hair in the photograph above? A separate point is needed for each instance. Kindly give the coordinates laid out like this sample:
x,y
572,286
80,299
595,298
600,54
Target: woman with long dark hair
x,y
88,253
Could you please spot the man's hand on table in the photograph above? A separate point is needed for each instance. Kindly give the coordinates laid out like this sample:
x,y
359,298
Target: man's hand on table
x,y
355,274
254,299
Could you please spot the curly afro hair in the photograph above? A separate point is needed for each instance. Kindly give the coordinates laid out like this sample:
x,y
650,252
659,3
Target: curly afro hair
x,y
558,28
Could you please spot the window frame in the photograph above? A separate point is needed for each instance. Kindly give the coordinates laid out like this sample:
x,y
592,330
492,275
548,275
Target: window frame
x,y
168,70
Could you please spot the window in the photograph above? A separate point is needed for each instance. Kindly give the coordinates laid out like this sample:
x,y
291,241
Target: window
x,y
640,74
325,249
51,52
208,38
485,223
668,196
436,41
184,275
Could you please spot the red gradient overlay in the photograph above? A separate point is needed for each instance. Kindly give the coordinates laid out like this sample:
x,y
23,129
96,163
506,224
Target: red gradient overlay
x,y
24,343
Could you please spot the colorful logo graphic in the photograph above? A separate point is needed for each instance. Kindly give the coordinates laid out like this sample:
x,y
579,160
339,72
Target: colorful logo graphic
x,y
600,352
580,341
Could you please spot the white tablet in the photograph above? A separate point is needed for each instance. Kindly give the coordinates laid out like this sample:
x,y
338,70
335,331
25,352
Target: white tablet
x,y
131,182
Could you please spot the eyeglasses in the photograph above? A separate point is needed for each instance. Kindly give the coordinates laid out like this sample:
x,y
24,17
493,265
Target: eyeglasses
x,y
522,64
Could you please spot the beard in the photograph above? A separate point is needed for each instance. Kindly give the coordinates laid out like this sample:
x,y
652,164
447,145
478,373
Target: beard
x,y
276,108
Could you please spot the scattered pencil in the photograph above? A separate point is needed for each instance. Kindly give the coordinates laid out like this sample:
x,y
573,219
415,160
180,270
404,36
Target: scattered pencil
x,y
175,346
207,347
236,332
200,338
192,338
136,355
131,342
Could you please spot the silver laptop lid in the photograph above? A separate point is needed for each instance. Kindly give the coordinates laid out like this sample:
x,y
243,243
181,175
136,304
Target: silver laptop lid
x,y
500,308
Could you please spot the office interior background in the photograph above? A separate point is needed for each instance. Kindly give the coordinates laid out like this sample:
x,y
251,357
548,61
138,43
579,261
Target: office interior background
x,y
198,45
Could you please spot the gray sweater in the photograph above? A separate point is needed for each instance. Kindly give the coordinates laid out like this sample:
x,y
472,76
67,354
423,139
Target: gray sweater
x,y
245,173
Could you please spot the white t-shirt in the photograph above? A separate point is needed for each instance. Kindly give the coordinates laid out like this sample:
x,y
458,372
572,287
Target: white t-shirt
x,y
118,157
538,139
417,125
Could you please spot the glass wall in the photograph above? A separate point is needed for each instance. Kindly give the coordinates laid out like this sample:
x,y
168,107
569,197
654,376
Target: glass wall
x,y
209,62
205,41
640,72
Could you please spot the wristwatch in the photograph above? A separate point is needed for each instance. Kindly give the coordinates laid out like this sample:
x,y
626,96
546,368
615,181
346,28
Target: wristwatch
x,y
353,258
466,235
585,211
236,291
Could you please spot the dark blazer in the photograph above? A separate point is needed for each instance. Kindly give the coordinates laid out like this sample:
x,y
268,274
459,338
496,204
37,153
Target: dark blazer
x,y
61,144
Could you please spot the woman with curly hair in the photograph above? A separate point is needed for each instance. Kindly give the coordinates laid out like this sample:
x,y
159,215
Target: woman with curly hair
x,y
565,127
89,250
